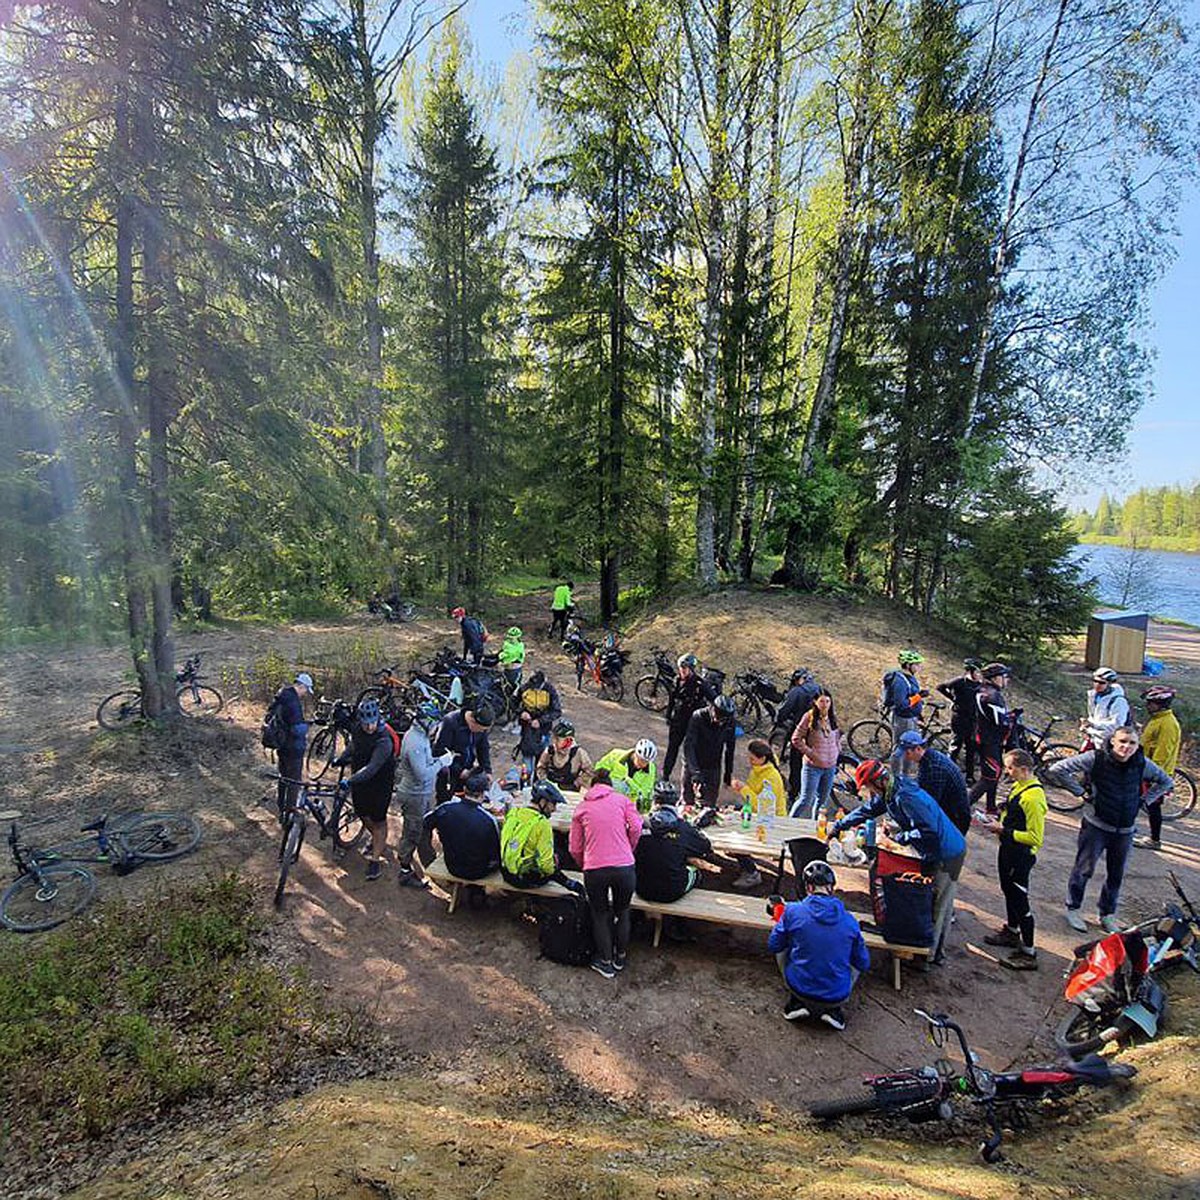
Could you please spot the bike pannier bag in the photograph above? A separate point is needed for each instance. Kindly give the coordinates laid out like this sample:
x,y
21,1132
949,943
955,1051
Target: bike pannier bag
x,y
565,932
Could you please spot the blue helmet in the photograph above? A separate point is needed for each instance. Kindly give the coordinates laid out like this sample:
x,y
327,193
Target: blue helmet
x,y
368,711
427,715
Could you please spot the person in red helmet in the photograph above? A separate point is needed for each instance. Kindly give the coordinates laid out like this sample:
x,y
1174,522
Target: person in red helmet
x,y
473,635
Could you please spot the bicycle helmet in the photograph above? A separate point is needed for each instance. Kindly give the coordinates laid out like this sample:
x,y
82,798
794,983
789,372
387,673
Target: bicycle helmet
x,y
427,715
996,668
870,771
546,792
819,874
1159,694
665,792
972,664
564,729
687,660
459,613
800,675
1105,675
644,748
909,658
515,631
368,711
723,705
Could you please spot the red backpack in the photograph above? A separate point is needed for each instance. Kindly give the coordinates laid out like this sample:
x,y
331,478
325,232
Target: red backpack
x,y
395,740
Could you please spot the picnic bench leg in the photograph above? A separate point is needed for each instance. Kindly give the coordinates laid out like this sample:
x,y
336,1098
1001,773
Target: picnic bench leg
x,y
453,898
896,971
658,924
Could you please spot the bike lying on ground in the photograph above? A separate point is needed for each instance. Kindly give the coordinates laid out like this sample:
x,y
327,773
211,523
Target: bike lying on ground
x,y
52,886
194,698
1113,986
338,821
928,1093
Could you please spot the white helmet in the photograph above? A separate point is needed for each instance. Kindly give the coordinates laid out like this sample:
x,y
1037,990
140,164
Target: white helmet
x,y
1105,675
646,749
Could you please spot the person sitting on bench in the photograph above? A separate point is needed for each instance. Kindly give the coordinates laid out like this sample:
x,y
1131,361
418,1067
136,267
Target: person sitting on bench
x,y
819,948
470,840
664,853
527,842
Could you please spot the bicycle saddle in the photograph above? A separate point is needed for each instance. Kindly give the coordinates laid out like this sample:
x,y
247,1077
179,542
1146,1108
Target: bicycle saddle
x,y
95,826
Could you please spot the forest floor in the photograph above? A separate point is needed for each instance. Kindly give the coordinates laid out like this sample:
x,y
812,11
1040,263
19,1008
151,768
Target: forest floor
x,y
515,1076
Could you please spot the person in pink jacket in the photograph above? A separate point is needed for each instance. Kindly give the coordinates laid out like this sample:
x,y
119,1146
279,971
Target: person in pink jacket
x,y
605,828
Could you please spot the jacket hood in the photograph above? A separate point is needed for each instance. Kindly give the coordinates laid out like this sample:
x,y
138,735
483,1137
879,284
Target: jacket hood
x,y
598,791
663,819
827,910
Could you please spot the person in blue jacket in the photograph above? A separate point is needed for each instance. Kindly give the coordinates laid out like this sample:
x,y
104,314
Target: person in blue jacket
x,y
922,824
820,950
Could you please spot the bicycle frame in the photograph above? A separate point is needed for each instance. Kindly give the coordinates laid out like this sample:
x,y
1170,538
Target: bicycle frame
x,y
97,849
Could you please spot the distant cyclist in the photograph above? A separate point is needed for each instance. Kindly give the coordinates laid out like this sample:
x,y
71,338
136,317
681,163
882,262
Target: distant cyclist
x,y
961,692
512,655
474,634
1161,738
1107,708
690,693
562,606
993,729
903,694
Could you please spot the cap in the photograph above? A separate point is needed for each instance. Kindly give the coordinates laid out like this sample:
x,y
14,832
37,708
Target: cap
x,y
911,738
305,680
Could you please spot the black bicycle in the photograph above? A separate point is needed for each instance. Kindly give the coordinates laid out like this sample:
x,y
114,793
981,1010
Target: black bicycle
x,y
872,738
338,821
195,699
655,691
336,721
52,885
754,696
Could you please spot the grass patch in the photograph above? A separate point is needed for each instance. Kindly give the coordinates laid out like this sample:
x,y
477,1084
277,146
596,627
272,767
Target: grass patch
x,y
143,1007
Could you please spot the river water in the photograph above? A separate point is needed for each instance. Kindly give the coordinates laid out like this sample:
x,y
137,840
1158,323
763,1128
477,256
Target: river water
x,y
1170,580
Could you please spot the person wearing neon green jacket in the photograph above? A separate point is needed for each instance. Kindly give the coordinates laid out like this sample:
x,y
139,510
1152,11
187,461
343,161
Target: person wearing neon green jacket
x,y
561,607
633,772
527,842
512,654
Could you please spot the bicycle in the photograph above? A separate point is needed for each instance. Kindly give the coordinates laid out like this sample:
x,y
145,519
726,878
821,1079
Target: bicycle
x,y
389,690
601,666
52,886
393,610
340,823
1045,754
655,692
927,1093
754,696
194,699
336,718
872,737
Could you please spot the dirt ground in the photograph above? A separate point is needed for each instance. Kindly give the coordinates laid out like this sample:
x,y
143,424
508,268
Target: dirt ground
x,y
686,1025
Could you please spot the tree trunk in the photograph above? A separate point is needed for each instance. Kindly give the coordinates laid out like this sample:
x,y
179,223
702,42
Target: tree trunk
x,y
610,547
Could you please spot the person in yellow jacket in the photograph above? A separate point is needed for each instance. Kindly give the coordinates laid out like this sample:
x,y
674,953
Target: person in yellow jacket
x,y
561,607
1161,740
1021,835
765,791
527,841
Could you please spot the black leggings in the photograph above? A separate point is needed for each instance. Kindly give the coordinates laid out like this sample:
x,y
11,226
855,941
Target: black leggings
x,y
1013,865
963,729
610,892
991,751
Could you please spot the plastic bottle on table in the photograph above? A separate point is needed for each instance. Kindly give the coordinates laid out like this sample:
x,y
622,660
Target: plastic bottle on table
x,y
747,813
766,805
822,825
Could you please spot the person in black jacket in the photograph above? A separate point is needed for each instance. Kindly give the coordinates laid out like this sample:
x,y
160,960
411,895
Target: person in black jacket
x,y
936,773
465,735
664,851
470,837
289,754
372,757
474,634
539,707
801,695
691,693
710,736
993,728
961,692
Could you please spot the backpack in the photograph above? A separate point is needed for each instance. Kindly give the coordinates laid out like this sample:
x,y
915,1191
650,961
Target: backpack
x,y
395,740
273,731
884,696
565,932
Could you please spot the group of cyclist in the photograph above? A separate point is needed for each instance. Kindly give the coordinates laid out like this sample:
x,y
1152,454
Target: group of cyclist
x,y
629,831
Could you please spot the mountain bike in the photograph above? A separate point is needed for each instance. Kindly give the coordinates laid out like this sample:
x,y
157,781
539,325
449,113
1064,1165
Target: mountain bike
x,y
655,692
52,886
336,719
389,689
872,738
754,696
929,1093
1045,754
599,666
393,609
194,698
338,822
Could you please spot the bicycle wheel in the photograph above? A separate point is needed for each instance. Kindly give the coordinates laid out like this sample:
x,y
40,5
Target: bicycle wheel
x,y
326,746
1182,800
871,739
938,738
1058,797
120,709
196,700
652,693
612,687
844,1106
40,901
379,694
345,825
158,837
747,712
289,851
1081,1032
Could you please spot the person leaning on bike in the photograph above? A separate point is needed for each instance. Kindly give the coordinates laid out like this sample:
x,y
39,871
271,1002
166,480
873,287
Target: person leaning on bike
x,y
371,756
290,752
562,607
690,693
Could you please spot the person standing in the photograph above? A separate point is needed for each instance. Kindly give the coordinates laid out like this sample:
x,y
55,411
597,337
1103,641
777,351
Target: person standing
x,y
465,735
416,777
562,606
474,635
801,693
1021,836
993,727
512,656
371,757
961,692
1115,779
289,754
605,828
937,774
691,693
1107,707
819,742
711,736
903,694
538,708
1161,739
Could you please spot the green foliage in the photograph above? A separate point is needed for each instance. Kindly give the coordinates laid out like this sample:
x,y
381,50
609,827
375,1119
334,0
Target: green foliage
x,y
144,1006
1013,585
1162,518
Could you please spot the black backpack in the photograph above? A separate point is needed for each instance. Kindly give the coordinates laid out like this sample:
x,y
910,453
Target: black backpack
x,y
565,932
274,731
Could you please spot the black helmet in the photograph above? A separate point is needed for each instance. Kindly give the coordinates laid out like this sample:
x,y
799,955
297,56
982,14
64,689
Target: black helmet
x,y
973,664
546,791
819,874
724,707
564,728
800,675
665,792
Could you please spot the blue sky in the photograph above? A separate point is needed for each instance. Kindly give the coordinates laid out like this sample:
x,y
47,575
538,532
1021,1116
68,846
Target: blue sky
x,y
1164,446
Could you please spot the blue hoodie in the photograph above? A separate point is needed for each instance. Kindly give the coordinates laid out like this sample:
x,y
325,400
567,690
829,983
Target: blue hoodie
x,y
922,823
822,942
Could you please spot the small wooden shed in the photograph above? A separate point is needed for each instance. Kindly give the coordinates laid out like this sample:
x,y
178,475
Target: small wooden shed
x,y
1117,640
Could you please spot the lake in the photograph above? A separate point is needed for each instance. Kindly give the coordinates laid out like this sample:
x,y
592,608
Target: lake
x,y
1173,587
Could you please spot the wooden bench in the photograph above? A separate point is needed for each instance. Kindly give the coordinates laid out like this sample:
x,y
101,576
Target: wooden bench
x,y
719,908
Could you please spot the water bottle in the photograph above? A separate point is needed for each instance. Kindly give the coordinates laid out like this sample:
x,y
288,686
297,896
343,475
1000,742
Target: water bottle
x,y
747,814
869,833
766,805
